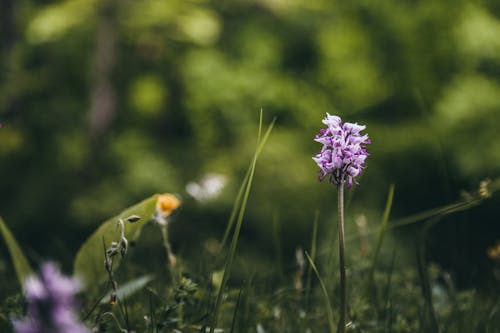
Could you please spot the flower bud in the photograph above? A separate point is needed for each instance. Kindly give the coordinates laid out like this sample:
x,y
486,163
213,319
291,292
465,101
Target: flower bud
x,y
112,298
112,250
133,218
123,246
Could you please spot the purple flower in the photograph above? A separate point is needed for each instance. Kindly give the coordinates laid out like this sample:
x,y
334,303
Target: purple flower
x,y
51,304
343,154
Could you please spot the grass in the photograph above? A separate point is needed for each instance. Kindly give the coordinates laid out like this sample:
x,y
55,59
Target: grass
x,y
234,241
414,296
328,306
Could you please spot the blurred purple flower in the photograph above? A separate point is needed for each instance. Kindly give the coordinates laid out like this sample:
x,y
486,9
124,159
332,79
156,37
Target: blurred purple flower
x,y
343,154
51,304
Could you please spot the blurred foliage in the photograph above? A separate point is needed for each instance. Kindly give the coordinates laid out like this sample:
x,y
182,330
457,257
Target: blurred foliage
x,y
182,83
21,265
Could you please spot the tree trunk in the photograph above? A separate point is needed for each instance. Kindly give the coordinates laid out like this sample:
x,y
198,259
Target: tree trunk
x,y
102,96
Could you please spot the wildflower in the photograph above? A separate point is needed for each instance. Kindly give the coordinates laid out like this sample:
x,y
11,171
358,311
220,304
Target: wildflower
x,y
166,204
210,187
51,304
342,158
494,252
343,154
484,192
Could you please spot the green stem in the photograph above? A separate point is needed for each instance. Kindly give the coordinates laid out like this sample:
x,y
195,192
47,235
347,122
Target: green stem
x,y
343,291
171,260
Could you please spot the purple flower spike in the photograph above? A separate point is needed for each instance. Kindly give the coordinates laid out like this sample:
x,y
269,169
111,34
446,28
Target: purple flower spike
x,y
51,304
343,154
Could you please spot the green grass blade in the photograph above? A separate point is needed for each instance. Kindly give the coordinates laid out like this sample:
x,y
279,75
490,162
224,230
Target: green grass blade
x,y
430,315
234,241
235,313
21,264
328,305
383,230
277,244
129,288
259,133
88,265
237,201
313,257
470,200
236,205
388,303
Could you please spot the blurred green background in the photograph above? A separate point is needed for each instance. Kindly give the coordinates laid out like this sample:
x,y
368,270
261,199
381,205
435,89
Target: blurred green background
x,y
103,103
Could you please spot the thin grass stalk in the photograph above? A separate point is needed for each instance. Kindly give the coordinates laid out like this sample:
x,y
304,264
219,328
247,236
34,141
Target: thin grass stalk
x,y
125,313
343,287
235,314
98,301
328,305
232,249
381,236
388,303
151,314
237,201
469,201
246,308
424,276
95,304
277,244
117,323
313,256
236,205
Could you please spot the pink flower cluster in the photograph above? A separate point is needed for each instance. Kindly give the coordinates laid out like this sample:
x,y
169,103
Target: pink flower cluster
x,y
51,304
343,155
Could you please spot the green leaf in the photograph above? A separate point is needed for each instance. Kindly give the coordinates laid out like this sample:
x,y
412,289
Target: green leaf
x,y
89,261
21,265
383,231
130,287
328,305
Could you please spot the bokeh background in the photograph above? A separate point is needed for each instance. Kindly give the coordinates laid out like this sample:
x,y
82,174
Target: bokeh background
x,y
103,103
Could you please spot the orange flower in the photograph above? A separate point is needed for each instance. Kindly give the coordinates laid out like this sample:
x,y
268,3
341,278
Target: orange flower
x,y
494,252
166,204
